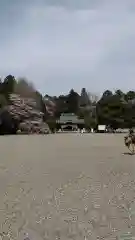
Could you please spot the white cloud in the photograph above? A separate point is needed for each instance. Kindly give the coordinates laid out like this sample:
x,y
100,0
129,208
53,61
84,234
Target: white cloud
x,y
59,48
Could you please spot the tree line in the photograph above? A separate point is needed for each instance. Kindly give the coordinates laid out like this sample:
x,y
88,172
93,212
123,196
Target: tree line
x,y
10,85
114,109
21,87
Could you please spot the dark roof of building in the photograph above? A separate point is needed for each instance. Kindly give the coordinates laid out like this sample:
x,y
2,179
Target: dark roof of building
x,y
70,117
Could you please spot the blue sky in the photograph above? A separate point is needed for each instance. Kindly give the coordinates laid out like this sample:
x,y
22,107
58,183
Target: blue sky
x,y
64,44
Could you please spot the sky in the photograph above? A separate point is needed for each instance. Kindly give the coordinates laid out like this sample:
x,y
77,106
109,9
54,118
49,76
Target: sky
x,y
64,44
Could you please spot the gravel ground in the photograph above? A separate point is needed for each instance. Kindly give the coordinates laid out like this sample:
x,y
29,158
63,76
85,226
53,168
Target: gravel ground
x,y
66,186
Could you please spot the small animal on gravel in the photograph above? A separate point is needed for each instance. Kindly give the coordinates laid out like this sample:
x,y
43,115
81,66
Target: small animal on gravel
x,y
129,141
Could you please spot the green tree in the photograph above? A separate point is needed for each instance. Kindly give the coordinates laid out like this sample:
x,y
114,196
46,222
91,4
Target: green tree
x,y
90,122
61,105
1,92
73,101
84,98
111,111
119,93
40,104
8,85
3,101
130,95
27,89
107,94
24,88
52,124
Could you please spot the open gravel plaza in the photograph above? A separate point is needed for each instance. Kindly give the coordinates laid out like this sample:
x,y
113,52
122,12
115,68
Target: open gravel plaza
x,y
66,186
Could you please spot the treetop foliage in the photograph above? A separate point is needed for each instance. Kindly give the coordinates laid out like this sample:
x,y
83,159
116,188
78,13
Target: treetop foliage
x,y
115,109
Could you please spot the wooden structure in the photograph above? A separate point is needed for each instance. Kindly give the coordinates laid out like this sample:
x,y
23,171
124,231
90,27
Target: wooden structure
x,y
69,121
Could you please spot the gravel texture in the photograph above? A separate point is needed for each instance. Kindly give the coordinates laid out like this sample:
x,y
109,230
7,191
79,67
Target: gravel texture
x,y
66,186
